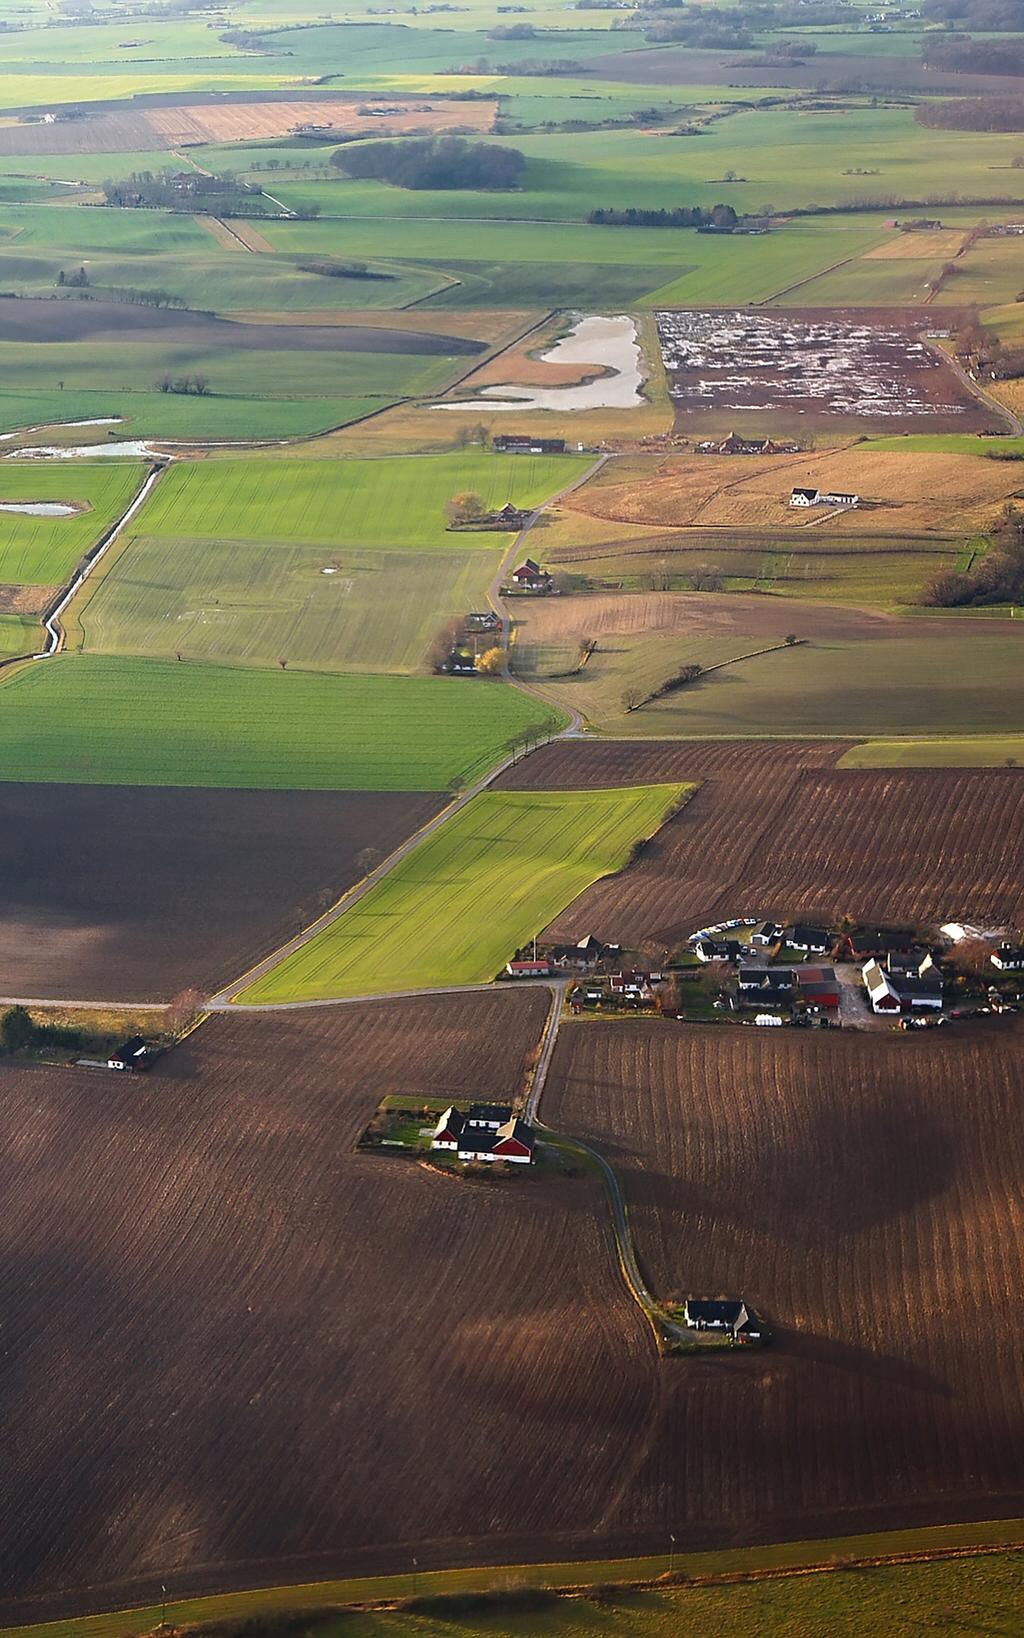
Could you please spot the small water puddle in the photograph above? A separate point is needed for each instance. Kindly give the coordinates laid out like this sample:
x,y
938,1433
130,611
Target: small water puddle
x,y
134,447
40,509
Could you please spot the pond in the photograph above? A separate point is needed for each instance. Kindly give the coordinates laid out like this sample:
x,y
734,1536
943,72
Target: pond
x,y
609,343
40,509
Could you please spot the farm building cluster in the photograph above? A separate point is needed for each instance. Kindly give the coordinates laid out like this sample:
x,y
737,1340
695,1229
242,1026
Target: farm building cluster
x,y
886,972
816,497
484,1133
806,364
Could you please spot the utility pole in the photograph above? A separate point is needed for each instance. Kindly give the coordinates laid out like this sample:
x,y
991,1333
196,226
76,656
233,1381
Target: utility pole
x,y
672,1555
163,1606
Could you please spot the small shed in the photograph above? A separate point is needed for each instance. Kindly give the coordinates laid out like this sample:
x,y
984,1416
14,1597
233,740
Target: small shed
x,y
132,1056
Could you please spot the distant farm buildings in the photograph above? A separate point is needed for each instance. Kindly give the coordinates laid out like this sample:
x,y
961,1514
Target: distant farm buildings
x,y
517,443
816,497
733,444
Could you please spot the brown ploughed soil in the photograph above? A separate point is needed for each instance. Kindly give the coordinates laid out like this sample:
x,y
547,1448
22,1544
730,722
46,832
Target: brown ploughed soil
x,y
231,1341
776,830
132,893
862,1193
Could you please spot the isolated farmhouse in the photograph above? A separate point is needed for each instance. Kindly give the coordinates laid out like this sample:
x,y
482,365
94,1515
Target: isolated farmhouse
x,y
484,1132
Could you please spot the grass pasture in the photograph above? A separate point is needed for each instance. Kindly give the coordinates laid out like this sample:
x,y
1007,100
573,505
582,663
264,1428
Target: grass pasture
x,y
963,682
348,503
89,719
247,603
41,551
467,897
976,751
854,1602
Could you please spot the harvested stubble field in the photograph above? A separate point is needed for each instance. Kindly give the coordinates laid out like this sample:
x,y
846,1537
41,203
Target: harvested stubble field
x,y
776,829
860,1192
246,1331
259,121
136,894
904,494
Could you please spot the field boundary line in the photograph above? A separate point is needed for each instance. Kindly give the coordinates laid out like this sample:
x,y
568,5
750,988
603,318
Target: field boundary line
x,y
640,1571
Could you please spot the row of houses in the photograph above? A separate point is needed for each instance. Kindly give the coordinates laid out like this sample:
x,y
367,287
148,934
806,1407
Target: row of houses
x,y
484,1133
554,960
815,988
734,444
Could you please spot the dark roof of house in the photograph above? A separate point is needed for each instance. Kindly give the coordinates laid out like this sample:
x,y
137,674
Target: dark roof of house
x,y
812,494
452,1120
917,988
131,1049
489,1111
802,934
883,940
1012,952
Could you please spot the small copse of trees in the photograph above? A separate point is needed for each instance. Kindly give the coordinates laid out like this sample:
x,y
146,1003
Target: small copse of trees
x,y
433,162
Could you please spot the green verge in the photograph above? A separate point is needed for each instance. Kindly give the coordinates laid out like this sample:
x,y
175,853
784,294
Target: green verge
x,y
981,751
390,501
459,905
38,551
983,1591
91,720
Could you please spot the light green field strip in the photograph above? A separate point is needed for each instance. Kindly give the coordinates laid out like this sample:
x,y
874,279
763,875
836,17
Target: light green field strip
x,y
462,902
241,603
393,501
952,443
983,751
38,551
89,720
847,1603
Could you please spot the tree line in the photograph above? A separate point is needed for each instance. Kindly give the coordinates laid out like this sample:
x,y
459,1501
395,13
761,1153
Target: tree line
x,y
973,114
433,162
682,216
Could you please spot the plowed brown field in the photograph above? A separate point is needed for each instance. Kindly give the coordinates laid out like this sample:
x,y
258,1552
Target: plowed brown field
x,y
235,1350
133,894
775,830
864,1194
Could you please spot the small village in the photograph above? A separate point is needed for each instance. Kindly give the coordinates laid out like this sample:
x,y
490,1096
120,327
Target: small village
x,y
770,974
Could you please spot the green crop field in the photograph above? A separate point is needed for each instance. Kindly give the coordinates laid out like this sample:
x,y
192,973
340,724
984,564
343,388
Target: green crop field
x,y
234,602
178,418
38,551
392,501
978,751
470,895
92,720
19,634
